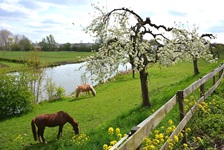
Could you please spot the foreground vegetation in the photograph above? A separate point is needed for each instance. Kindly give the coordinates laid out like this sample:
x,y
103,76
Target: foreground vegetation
x,y
117,104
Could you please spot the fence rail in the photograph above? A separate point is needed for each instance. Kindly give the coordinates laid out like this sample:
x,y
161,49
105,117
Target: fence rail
x,y
141,131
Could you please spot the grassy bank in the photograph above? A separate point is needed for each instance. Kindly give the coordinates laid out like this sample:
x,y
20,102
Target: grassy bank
x,y
116,104
46,58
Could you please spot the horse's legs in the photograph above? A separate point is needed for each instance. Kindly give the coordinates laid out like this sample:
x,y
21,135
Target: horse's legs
x,y
60,130
77,94
40,133
87,92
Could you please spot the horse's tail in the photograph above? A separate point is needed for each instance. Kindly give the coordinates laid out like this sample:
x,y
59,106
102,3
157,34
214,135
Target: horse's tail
x,y
34,129
93,90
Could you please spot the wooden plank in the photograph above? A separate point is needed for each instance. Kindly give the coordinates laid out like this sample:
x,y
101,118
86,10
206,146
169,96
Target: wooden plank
x,y
210,91
199,82
147,126
119,143
190,113
182,124
152,121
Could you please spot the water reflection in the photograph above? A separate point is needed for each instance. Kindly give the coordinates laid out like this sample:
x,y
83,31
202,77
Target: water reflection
x,y
70,76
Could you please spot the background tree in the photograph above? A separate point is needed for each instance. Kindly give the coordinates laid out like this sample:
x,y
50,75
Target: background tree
x,y
25,44
188,45
123,42
217,49
5,39
21,43
65,47
48,43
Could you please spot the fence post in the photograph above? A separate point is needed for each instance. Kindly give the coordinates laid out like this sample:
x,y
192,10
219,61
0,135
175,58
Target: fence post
x,y
220,73
202,89
180,99
133,130
214,79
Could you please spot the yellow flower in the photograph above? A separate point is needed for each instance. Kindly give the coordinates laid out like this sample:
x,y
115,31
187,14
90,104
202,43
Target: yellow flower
x,y
161,136
152,147
170,122
119,136
199,139
176,139
111,131
181,135
112,143
105,147
185,145
186,100
118,131
188,130
157,136
156,131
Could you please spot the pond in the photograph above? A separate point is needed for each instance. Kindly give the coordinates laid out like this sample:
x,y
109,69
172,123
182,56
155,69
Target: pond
x,y
69,76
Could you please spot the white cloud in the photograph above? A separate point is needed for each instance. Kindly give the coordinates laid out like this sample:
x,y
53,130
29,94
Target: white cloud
x,y
39,18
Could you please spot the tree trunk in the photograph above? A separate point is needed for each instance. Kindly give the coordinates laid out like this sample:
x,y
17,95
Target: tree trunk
x,y
144,88
133,73
195,61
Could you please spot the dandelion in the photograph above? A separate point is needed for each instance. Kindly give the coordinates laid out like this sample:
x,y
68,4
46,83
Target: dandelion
x,y
170,122
161,136
199,139
119,136
105,147
112,143
168,130
152,147
181,135
111,131
118,131
185,145
186,100
188,130
176,139
156,131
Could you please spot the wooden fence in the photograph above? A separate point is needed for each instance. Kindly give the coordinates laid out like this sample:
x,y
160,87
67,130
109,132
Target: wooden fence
x,y
140,132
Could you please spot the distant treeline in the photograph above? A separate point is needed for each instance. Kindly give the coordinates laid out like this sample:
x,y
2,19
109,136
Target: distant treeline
x,y
16,42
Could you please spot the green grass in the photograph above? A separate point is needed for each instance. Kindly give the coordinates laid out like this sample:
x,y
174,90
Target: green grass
x,y
46,58
116,104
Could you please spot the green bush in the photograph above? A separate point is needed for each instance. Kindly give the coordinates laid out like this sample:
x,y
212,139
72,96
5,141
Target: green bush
x,y
15,96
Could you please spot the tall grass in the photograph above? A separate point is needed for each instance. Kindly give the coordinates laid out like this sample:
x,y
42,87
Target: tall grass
x,y
117,104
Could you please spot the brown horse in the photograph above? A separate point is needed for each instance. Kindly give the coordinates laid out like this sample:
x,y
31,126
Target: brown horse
x,y
52,120
85,88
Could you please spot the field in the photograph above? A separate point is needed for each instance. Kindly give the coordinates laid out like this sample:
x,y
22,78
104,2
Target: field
x,y
46,58
117,104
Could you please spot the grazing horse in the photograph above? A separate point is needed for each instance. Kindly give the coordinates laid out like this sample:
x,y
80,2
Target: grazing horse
x,y
85,88
52,120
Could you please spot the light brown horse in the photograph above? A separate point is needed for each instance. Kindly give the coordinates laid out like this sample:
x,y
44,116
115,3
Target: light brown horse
x,y
52,120
85,88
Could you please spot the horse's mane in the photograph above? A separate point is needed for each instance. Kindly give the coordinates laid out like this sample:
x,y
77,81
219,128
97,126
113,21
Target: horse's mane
x,y
93,90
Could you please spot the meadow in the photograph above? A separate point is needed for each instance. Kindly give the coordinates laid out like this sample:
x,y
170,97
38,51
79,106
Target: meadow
x,y
117,104
46,58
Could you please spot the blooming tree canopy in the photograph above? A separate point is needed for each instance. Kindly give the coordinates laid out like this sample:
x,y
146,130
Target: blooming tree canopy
x,y
188,45
121,35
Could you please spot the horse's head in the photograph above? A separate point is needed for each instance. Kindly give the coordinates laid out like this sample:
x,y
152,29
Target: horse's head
x,y
93,90
76,128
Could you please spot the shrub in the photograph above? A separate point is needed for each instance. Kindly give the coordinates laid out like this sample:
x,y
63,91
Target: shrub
x,y
15,95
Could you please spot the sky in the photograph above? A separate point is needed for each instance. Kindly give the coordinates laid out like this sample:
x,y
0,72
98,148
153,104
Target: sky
x,y
65,19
